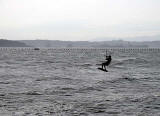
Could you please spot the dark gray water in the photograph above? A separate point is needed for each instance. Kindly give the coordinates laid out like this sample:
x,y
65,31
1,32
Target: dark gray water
x,y
66,82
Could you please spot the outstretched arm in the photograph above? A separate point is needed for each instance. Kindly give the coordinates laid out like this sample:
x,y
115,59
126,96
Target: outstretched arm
x,y
107,57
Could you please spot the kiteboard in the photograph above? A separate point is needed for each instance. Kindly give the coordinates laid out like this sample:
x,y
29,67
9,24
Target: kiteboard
x,y
103,69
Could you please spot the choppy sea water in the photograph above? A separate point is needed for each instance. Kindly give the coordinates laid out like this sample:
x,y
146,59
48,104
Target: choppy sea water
x,y
66,82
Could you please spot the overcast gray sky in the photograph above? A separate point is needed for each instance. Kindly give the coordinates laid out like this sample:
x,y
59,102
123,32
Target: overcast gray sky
x,y
78,19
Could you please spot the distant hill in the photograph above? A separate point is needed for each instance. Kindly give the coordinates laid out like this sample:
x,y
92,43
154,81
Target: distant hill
x,y
100,44
56,43
9,43
79,44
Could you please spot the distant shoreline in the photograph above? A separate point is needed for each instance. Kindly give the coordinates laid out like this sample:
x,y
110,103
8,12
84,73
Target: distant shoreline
x,y
78,44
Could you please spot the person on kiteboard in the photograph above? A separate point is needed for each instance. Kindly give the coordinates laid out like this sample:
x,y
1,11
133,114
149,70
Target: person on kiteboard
x,y
104,64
